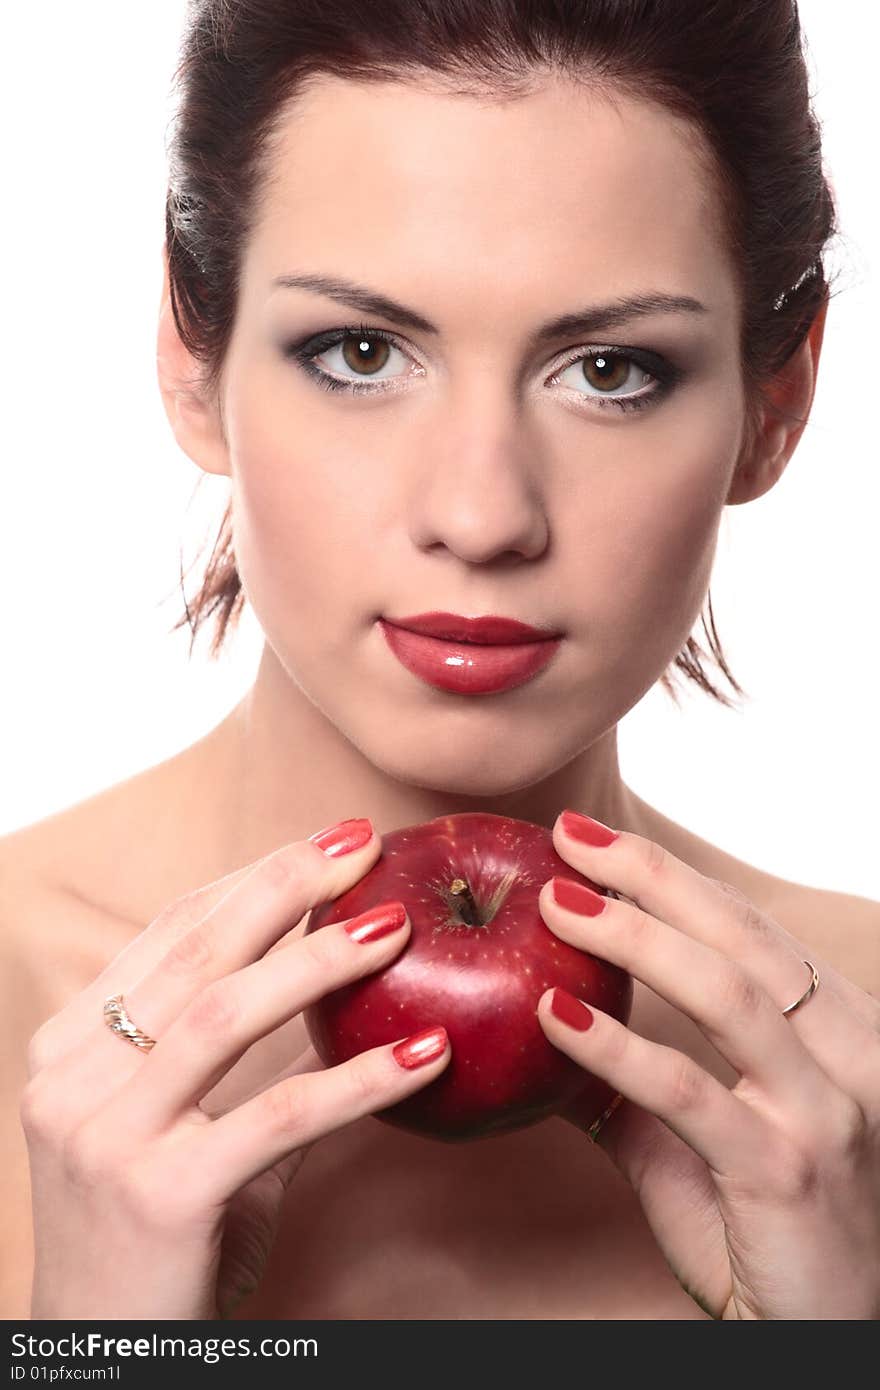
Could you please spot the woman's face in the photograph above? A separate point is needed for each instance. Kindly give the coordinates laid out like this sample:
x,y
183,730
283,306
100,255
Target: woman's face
x,y
486,469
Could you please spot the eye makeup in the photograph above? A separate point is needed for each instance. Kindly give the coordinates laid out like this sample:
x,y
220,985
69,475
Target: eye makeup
x,y
663,375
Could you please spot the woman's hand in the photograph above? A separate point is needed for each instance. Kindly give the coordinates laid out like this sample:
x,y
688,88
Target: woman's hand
x,y
144,1205
765,1198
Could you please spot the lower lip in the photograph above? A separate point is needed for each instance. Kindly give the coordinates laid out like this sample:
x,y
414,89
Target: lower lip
x,y
467,668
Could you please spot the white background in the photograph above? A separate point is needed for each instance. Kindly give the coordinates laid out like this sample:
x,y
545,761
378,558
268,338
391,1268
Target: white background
x,y
97,499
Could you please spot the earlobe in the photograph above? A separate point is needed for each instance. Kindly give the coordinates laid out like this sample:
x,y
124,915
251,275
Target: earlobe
x,y
195,421
781,419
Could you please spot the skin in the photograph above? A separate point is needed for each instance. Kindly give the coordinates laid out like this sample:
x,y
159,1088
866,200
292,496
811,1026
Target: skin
x,y
477,483
470,484
764,1195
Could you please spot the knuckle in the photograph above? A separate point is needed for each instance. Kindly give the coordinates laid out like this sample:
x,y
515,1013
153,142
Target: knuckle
x,y
286,1109
656,859
685,1085
216,1010
180,916
736,993
616,1045
640,925
732,891
755,923
324,950
38,1112
751,918
40,1050
190,953
364,1085
290,868
183,912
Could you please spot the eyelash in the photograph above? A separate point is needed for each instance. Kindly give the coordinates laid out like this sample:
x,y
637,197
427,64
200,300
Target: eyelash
x,y
665,374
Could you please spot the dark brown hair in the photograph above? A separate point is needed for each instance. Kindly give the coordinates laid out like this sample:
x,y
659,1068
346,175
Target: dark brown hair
x,y
735,68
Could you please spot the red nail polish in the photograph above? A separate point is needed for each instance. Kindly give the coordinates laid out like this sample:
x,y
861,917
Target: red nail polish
x,y
339,839
587,830
376,922
577,897
570,1010
421,1048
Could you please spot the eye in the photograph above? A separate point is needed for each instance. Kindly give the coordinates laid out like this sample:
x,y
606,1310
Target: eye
x,y
362,360
628,379
352,359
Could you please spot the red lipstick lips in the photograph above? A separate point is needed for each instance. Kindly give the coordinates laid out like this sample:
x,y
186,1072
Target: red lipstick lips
x,y
454,628
469,656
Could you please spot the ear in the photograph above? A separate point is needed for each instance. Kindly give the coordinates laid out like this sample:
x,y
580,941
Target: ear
x,y
787,400
196,421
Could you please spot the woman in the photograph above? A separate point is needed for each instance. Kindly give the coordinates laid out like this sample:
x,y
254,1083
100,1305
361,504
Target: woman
x,y
492,317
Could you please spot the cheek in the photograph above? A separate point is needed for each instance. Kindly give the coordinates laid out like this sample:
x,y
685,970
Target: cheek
x,y
646,551
302,532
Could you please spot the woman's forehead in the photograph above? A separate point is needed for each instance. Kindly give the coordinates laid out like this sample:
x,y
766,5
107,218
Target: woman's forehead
x,y
560,181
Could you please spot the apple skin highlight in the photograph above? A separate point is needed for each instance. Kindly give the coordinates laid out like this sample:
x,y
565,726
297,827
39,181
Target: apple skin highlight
x,y
478,959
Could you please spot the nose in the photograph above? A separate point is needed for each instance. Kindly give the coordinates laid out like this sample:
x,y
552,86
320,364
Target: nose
x,y
477,492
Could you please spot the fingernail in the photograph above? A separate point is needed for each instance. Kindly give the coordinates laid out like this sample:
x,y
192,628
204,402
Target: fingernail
x,y
570,1010
577,897
420,1048
587,830
376,922
343,838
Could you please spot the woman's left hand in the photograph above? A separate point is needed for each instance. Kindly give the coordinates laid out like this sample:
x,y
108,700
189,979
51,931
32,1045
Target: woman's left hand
x,y
764,1198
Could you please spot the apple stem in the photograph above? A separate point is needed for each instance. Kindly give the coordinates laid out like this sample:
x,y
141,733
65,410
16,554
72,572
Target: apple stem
x,y
464,901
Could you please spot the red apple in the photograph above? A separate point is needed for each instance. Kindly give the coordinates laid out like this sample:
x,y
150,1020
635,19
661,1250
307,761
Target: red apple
x,y
478,959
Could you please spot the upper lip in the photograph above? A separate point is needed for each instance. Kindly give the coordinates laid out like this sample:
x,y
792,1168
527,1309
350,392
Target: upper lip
x,y
486,630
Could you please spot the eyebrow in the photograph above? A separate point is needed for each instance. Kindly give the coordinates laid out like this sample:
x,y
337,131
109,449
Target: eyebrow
x,y
590,319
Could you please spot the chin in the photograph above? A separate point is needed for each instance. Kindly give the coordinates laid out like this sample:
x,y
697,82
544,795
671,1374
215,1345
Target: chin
x,y
464,767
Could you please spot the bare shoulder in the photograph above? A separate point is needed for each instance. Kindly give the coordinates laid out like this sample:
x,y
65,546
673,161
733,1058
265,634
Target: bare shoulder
x,y
65,883
105,847
131,848
52,944
51,940
842,929
46,943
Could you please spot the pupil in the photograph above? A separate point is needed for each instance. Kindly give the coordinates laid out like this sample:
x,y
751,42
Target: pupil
x,y
609,372
360,353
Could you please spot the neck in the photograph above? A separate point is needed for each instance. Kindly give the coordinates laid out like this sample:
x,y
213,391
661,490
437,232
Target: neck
x,y
285,771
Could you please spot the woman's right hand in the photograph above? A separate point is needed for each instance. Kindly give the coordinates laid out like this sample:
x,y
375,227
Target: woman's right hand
x,y
144,1205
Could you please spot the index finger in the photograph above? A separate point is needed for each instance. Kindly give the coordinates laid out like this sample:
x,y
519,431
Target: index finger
x,y
79,1017
707,909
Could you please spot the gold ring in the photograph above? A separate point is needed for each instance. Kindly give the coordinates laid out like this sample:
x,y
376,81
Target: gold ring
x,y
118,1021
593,1131
811,989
